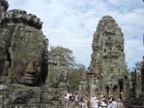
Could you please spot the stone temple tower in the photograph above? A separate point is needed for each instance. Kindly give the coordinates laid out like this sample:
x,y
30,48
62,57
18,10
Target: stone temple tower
x,y
107,71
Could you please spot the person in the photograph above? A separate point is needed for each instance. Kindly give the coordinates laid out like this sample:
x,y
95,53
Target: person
x,y
110,97
89,103
104,99
119,104
92,98
66,98
103,104
114,103
110,104
82,103
94,102
86,101
101,97
76,99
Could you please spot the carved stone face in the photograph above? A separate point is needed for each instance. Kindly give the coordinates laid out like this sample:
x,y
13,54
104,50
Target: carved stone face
x,y
29,56
27,69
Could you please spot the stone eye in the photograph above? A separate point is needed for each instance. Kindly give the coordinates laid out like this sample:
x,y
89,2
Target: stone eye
x,y
37,64
25,62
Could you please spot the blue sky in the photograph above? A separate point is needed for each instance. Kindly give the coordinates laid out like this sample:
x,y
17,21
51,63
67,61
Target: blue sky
x,y
72,23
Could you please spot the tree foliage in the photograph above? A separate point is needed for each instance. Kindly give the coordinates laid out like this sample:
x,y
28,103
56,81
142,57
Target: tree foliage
x,y
63,55
138,65
64,60
75,77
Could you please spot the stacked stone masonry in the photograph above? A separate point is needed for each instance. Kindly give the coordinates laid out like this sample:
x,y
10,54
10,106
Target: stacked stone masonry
x,y
107,72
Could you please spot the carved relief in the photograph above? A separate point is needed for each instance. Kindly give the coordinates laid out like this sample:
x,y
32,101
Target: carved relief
x,y
28,50
108,57
23,58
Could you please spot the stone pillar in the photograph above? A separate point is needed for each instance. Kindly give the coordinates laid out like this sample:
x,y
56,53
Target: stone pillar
x,y
124,91
89,80
127,92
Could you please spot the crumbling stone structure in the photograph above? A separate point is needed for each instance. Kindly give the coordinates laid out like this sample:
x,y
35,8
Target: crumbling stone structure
x,y
3,43
58,77
21,32
107,68
83,86
23,59
24,63
136,97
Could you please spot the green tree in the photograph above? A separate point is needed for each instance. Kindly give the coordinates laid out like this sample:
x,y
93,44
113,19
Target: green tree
x,y
62,60
138,65
63,56
75,77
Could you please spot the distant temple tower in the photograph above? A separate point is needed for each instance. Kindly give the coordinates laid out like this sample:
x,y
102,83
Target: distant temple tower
x,y
107,72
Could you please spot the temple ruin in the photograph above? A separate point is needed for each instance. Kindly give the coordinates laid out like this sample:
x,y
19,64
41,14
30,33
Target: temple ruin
x,y
32,78
23,58
107,73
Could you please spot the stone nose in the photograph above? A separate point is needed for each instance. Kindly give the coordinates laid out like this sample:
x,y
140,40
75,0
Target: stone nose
x,y
30,69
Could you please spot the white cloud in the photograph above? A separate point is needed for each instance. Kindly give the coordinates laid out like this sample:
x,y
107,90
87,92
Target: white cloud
x,y
71,24
134,51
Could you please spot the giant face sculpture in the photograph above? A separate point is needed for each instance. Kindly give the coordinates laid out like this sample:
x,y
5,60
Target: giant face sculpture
x,y
27,68
29,48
